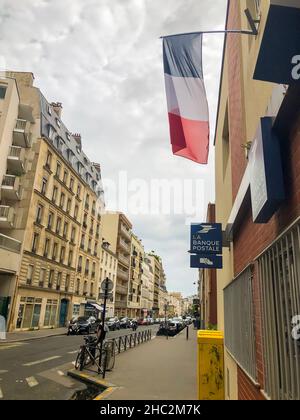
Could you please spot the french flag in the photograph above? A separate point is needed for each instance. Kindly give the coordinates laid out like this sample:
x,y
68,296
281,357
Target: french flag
x,y
186,97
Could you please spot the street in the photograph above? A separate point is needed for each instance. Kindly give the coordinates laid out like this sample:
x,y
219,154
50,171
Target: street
x,y
35,370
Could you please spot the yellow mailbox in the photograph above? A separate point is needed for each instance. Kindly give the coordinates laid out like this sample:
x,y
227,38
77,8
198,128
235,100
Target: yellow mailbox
x,y
211,365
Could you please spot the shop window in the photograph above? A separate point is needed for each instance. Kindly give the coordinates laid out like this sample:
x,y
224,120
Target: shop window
x,y
51,313
29,312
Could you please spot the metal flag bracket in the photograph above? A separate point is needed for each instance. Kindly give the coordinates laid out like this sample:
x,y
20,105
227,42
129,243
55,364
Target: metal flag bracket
x,y
252,22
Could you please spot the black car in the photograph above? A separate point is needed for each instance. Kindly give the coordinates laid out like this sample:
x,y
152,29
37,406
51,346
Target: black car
x,y
83,325
125,322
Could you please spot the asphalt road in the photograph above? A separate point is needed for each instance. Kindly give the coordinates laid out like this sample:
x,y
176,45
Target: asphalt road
x,y
37,369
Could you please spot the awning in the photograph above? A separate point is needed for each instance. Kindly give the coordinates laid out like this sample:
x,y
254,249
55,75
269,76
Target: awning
x,y
96,306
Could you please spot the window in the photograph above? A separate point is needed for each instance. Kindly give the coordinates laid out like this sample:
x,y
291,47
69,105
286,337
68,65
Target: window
x,y
50,220
87,202
62,200
76,309
69,203
79,268
76,212
280,284
51,279
77,287
58,281
65,177
78,190
66,228
90,246
94,270
49,160
82,241
70,259
87,267
95,249
44,186
58,169
73,233
2,92
39,214
29,274
58,123
54,194
71,184
46,248
29,312
239,326
85,221
58,225
35,241
85,288
92,289
49,109
62,254
51,133
42,277
54,251
68,136
51,313
67,283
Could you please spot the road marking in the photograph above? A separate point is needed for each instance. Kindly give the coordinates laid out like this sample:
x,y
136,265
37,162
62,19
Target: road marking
x,y
61,373
1,394
73,352
37,362
32,381
3,371
10,346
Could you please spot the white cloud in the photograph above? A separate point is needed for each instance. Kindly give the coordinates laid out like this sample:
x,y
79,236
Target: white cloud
x,y
103,60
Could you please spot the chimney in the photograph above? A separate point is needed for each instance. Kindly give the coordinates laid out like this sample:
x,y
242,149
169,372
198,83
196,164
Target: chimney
x,y
77,138
57,106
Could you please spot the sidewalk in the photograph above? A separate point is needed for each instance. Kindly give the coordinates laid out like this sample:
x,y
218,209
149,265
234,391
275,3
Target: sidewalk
x,y
32,335
157,370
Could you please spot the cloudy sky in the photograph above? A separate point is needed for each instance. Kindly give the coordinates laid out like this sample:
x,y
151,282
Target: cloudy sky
x,y
103,60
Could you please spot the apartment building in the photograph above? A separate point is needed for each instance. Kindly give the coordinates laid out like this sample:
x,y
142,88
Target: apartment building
x,y
134,305
175,304
258,202
157,269
54,193
116,229
147,288
108,268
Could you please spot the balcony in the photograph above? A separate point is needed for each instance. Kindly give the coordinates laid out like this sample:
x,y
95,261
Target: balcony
x,y
124,260
10,188
7,216
21,134
9,258
125,232
121,290
120,304
10,244
124,245
122,275
16,160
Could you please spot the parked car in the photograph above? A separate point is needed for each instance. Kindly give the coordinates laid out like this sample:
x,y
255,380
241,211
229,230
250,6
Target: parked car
x,y
125,322
171,328
178,321
83,325
113,324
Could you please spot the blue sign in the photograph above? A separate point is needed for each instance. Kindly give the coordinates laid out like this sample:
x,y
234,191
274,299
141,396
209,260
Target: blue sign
x,y
266,176
207,261
279,56
206,238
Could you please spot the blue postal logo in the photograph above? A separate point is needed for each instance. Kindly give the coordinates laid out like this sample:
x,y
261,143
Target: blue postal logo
x,y
296,68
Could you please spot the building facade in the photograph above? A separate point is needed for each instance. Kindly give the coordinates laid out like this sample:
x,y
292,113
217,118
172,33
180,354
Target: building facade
x,y
134,305
108,268
258,288
116,229
48,189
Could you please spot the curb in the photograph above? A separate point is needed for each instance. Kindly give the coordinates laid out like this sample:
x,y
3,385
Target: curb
x,y
29,338
83,377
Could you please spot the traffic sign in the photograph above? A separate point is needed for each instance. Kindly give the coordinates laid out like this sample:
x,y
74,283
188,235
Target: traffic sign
x,y
108,296
107,285
207,261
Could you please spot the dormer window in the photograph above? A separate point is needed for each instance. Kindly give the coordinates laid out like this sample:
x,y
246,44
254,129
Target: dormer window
x,y
49,109
51,132
68,136
58,123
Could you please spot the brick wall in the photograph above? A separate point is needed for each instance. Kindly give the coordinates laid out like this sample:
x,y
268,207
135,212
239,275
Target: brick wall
x,y
236,108
246,389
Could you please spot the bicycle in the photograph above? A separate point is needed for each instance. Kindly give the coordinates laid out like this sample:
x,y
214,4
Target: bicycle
x,y
89,354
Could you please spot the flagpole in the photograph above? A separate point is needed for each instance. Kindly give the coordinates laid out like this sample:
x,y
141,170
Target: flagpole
x,y
229,31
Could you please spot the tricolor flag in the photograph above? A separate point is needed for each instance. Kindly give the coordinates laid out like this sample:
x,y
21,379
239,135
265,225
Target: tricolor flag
x,y
186,96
